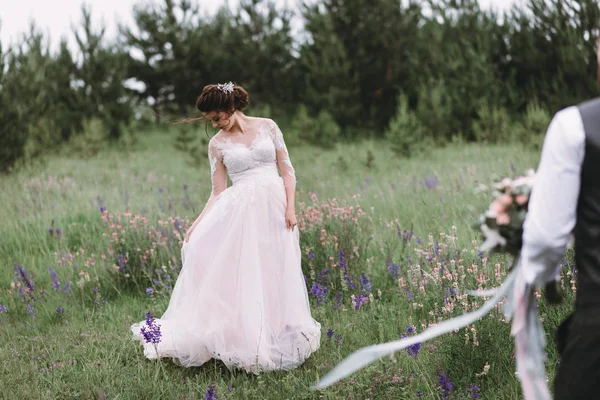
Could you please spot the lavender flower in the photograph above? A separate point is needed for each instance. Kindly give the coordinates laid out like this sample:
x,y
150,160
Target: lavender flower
x,y
210,393
360,300
330,333
342,263
67,288
27,288
392,269
31,310
445,385
474,391
321,277
60,310
151,331
3,309
412,350
55,282
430,182
149,291
319,291
365,282
338,302
338,340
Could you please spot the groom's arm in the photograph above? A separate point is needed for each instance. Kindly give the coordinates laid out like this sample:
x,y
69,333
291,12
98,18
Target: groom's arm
x,y
553,202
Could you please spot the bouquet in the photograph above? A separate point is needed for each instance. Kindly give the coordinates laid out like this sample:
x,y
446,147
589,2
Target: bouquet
x,y
502,224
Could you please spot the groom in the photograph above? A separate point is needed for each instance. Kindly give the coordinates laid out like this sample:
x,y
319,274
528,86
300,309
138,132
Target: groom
x,y
566,198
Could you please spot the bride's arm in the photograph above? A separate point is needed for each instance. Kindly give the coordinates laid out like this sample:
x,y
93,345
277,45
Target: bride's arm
x,y
218,176
287,172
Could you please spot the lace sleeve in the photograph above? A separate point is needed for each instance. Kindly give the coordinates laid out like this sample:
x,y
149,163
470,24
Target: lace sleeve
x,y
218,173
283,158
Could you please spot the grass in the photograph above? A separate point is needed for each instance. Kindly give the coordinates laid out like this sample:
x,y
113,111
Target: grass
x,y
86,352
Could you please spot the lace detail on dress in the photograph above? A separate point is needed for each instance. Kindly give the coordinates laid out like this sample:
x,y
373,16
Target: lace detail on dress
x,y
239,153
283,158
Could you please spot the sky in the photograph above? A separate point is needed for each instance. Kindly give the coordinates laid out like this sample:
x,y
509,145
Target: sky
x,y
57,17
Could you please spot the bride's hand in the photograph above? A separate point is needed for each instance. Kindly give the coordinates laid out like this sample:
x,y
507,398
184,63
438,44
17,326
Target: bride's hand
x,y
290,219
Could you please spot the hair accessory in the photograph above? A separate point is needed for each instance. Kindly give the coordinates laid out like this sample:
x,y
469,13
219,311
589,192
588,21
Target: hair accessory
x,y
225,87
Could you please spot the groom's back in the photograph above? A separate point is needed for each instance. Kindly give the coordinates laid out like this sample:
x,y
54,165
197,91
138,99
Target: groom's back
x,y
587,228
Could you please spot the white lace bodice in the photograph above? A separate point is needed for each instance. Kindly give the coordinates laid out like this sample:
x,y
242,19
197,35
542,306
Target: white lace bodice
x,y
234,154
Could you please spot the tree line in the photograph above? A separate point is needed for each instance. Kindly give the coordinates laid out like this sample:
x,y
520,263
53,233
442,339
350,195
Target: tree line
x,y
441,69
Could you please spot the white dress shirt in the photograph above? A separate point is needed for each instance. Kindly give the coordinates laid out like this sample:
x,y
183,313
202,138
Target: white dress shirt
x,y
553,202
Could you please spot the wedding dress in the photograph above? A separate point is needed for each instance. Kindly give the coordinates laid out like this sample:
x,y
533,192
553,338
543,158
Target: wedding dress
x,y
240,296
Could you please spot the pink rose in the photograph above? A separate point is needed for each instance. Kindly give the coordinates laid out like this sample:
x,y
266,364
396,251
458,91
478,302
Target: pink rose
x,y
498,207
506,200
521,199
503,219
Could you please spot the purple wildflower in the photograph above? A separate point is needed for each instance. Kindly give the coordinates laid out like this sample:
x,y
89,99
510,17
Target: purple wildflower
x,y
27,288
474,389
102,209
31,310
3,309
319,291
122,262
330,333
60,310
151,331
149,291
230,388
322,275
412,350
311,256
338,339
392,268
445,385
210,393
338,302
365,282
342,263
360,300
419,393
67,288
430,182
55,282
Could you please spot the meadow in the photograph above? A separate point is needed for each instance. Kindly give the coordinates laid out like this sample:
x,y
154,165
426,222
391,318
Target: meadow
x,y
89,246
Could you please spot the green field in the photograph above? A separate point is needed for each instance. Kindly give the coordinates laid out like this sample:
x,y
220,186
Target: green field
x,y
86,351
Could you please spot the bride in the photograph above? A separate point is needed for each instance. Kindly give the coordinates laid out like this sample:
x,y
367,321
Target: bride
x,y
240,296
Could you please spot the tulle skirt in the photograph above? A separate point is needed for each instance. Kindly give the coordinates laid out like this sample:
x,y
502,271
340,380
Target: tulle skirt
x,y
240,296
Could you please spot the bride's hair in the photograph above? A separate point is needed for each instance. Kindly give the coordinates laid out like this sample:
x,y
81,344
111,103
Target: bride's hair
x,y
216,98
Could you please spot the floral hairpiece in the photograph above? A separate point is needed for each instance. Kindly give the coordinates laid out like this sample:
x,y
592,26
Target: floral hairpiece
x,y
225,87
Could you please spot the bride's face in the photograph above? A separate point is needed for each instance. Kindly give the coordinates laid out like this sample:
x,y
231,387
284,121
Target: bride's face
x,y
219,119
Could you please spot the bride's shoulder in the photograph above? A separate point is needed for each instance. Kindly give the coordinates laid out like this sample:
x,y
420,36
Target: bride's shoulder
x,y
261,121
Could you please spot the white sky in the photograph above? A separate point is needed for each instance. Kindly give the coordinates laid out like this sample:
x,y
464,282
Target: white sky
x,y
56,17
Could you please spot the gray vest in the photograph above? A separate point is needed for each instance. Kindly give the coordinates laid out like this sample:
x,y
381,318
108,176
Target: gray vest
x,y
587,228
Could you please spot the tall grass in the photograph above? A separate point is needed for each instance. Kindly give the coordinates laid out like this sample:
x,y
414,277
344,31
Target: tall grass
x,y
88,247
